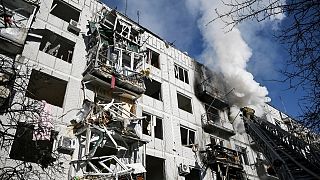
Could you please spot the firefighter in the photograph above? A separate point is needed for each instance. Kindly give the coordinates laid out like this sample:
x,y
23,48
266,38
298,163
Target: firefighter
x,y
248,112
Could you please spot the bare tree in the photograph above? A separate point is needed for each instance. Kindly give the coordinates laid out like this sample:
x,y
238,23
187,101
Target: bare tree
x,y
17,109
300,33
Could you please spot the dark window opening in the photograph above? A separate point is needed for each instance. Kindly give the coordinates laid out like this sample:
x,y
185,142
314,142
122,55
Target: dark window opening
x,y
146,124
152,125
184,136
153,89
186,79
126,60
24,148
195,174
181,73
158,129
187,136
56,45
45,87
184,103
64,11
155,168
153,58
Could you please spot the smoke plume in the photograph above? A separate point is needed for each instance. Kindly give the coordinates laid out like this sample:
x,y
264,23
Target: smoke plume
x,y
228,53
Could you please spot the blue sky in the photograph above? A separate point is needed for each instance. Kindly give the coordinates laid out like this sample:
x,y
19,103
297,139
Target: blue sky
x,y
178,22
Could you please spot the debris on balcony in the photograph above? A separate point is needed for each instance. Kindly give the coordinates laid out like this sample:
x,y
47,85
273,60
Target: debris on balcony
x,y
115,55
224,161
105,130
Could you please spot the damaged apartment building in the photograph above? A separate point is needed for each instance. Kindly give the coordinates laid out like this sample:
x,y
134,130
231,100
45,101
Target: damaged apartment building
x,y
119,102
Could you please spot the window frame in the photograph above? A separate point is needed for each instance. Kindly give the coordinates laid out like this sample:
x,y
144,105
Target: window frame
x,y
189,142
151,53
38,80
160,90
181,73
153,124
65,45
187,97
66,4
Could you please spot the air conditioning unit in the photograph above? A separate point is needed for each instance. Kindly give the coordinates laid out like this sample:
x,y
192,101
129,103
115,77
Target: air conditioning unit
x,y
66,145
184,169
73,26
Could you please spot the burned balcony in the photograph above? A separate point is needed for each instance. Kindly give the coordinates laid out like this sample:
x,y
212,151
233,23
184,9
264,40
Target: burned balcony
x,y
224,161
211,94
212,124
16,17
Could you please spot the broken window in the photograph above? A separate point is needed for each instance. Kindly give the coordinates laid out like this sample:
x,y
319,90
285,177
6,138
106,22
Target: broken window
x,y
155,168
56,45
184,102
212,114
152,125
24,148
243,155
153,89
181,73
45,87
64,11
146,124
187,136
153,58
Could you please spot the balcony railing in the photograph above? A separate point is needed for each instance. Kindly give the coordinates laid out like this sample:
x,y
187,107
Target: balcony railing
x,y
212,124
127,81
211,118
216,154
211,95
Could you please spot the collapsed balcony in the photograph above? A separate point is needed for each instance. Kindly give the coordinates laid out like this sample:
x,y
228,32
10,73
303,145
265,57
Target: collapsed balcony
x,y
224,161
106,132
211,95
16,17
211,123
114,55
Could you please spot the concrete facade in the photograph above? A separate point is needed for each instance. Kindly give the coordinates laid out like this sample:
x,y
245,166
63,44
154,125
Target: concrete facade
x,y
166,108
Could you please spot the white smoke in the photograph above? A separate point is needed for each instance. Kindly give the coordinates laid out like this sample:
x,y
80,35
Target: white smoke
x,y
228,53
